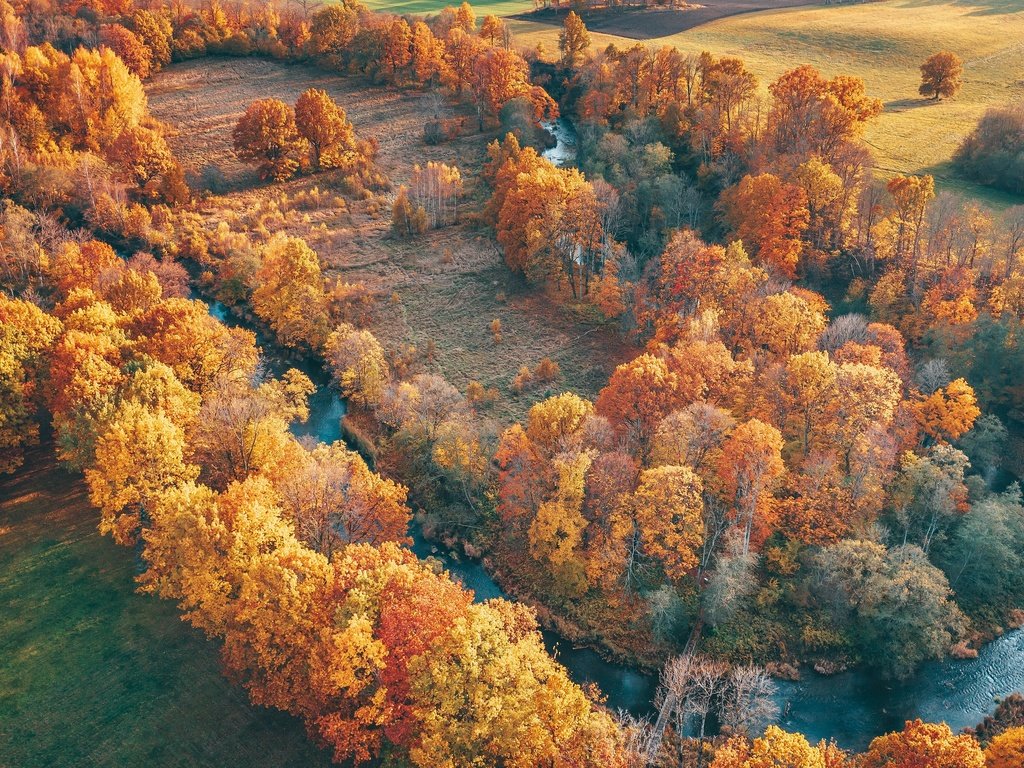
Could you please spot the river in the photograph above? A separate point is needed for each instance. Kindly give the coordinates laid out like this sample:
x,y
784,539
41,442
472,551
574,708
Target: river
x,y
852,707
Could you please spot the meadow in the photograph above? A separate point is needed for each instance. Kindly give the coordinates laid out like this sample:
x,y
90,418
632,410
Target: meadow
x,y
94,674
441,291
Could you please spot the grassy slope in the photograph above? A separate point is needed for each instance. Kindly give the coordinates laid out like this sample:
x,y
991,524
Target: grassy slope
x,y
482,7
882,42
93,674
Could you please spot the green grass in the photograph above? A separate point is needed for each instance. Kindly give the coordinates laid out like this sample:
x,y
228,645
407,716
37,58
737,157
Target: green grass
x,y
884,43
93,674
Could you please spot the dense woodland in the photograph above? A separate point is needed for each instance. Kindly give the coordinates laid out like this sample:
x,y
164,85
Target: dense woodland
x,y
811,459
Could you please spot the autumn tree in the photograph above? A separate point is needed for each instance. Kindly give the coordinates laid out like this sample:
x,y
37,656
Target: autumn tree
x,y
27,335
638,396
334,500
941,75
923,745
770,216
750,464
324,125
140,455
267,136
668,508
1006,750
289,292
775,748
573,40
357,362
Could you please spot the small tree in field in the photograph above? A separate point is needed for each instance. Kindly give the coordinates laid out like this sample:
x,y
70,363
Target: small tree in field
x,y
941,75
266,135
573,40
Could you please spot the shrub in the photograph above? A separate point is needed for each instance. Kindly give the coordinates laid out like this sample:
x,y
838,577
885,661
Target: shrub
x,y
993,153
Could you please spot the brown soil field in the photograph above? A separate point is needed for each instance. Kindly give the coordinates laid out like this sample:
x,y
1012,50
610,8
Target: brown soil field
x,y
646,24
444,287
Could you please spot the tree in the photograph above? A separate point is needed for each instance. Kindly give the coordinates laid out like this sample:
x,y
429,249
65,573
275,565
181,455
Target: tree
x,y
941,75
948,412
492,29
140,455
638,396
266,135
129,48
143,155
406,219
357,362
323,124
770,216
896,604
923,745
668,508
750,464
27,336
573,40
289,292
776,749
334,500
1006,750
242,429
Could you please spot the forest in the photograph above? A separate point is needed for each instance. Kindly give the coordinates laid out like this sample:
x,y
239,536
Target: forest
x,y
716,398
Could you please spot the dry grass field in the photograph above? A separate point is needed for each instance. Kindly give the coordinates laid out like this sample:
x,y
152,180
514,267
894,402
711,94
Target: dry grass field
x,y
445,287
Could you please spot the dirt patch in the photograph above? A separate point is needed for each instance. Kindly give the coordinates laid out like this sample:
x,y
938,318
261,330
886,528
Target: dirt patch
x,y
443,288
647,24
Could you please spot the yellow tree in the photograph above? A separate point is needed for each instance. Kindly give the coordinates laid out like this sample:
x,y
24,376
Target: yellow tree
x,y
923,745
289,293
573,40
669,510
325,126
357,362
27,335
139,456
1006,750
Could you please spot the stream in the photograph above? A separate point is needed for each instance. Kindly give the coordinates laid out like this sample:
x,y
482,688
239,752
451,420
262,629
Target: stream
x,y
852,707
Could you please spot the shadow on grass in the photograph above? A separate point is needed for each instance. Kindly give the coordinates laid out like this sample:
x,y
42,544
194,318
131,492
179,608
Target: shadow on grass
x,y
979,7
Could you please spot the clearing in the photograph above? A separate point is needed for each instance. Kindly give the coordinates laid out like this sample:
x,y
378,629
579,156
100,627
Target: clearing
x,y
93,674
444,287
884,43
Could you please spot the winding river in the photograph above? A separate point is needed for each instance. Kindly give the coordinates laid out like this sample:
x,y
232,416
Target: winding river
x,y
852,707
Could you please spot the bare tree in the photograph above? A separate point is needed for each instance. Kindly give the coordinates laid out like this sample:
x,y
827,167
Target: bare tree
x,y
748,703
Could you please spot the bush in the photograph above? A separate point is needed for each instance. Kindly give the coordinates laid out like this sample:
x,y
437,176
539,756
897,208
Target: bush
x,y
993,153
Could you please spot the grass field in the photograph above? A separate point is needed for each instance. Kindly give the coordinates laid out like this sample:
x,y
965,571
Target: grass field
x,y
93,674
448,300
